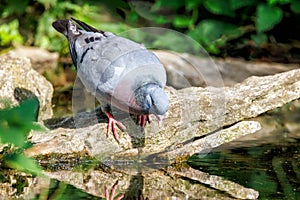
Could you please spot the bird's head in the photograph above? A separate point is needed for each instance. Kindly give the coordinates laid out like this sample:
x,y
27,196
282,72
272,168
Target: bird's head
x,y
153,100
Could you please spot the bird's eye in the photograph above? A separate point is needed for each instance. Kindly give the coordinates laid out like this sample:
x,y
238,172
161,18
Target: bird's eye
x,y
149,101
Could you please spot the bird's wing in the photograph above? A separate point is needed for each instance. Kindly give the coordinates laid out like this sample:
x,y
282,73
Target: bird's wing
x,y
110,67
116,67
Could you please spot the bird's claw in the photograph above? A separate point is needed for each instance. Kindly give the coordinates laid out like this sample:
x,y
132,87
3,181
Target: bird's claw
x,y
112,126
143,119
113,191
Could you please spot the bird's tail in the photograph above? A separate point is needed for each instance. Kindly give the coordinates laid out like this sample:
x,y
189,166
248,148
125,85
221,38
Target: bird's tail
x,y
61,26
86,27
71,31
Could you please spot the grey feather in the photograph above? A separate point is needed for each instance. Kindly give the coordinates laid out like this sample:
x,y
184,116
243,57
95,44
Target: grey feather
x,y
118,71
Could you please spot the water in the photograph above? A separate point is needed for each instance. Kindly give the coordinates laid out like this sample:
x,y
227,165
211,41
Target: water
x,y
273,170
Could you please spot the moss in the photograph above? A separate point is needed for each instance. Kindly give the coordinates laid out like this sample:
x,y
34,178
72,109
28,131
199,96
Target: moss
x,y
182,159
76,162
11,178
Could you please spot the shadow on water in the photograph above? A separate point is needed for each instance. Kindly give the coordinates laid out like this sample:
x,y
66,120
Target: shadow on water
x,y
273,170
135,189
62,191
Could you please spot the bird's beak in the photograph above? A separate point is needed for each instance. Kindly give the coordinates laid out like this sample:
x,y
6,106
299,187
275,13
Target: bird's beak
x,y
160,120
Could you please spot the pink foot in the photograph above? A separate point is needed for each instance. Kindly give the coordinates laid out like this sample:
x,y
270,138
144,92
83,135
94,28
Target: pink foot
x,y
113,191
112,126
143,119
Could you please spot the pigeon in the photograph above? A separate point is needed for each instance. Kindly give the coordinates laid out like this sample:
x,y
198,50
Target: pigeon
x,y
119,72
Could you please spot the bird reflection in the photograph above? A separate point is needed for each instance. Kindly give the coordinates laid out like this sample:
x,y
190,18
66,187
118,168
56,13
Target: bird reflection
x,y
134,191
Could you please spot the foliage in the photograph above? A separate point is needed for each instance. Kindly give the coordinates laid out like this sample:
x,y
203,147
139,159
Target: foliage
x,y
212,23
9,33
28,22
15,125
63,191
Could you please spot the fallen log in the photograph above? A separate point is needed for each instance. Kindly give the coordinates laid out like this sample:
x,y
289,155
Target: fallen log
x,y
194,112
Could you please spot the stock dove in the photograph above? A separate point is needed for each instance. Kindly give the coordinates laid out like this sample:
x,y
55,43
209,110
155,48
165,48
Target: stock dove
x,y
117,71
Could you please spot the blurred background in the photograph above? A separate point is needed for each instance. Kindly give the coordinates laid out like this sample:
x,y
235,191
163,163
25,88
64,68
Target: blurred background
x,y
251,29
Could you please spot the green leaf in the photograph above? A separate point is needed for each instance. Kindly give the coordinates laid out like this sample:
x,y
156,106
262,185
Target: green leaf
x,y
15,136
259,38
170,4
16,6
47,2
16,122
20,115
23,163
267,17
219,7
9,33
132,17
161,19
210,30
295,6
213,34
190,4
175,42
212,48
273,2
182,21
236,4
